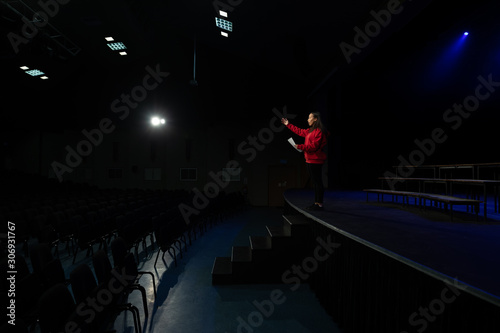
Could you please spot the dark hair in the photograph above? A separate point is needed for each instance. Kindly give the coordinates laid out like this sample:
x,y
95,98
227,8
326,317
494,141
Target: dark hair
x,y
317,123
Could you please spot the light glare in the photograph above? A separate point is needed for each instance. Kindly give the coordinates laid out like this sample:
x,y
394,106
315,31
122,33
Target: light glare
x,y
222,13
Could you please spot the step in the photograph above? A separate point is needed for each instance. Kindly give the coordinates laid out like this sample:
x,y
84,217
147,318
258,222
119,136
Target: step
x,y
298,226
260,243
222,271
242,265
278,231
262,253
295,220
281,239
241,254
263,260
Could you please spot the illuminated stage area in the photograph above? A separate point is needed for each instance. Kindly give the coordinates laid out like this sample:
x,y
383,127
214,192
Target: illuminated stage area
x,y
398,269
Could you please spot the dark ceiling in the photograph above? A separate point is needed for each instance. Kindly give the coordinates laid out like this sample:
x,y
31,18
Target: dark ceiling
x,y
279,53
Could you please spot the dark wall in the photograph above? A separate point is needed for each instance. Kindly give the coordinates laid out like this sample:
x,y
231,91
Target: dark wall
x,y
403,92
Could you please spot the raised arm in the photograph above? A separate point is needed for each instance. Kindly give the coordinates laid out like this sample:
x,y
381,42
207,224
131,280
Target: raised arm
x,y
294,129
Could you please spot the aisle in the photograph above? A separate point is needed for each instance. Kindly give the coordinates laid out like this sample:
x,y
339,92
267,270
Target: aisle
x,y
187,302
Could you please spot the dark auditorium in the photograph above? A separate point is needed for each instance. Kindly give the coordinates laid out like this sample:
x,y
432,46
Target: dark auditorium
x,y
237,166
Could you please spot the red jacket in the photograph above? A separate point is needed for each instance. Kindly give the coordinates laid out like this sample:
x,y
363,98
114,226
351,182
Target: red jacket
x,y
313,145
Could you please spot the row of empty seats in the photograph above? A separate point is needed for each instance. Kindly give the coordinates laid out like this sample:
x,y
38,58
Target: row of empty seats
x,y
46,298
98,224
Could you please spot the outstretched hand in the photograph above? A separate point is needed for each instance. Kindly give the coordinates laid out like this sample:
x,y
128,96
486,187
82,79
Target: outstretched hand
x,y
284,121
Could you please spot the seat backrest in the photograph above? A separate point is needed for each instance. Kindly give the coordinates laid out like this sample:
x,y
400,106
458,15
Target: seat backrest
x,y
19,327
130,265
40,256
69,213
166,237
21,266
119,251
53,272
28,292
155,222
40,221
78,220
58,218
82,282
91,217
102,267
54,308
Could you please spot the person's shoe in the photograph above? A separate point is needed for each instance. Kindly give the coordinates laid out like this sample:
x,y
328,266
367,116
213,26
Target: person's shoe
x,y
316,207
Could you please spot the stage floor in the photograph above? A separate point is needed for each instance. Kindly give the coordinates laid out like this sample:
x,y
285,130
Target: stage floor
x,y
464,249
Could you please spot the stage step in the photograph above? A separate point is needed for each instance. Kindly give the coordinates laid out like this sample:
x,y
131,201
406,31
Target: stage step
x,y
222,271
295,221
242,265
241,254
299,228
260,243
266,257
280,236
277,231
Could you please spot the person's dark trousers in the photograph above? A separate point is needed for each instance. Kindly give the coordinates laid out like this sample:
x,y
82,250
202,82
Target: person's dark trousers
x,y
316,174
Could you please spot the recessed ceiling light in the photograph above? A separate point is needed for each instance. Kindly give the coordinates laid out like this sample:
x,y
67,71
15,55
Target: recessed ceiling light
x,y
222,13
44,77
117,46
225,34
24,68
123,53
35,72
223,24
109,39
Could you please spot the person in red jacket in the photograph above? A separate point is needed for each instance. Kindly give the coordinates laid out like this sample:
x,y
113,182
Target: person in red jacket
x,y
315,141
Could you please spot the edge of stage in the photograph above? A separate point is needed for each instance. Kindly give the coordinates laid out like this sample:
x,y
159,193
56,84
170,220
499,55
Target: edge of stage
x,y
464,251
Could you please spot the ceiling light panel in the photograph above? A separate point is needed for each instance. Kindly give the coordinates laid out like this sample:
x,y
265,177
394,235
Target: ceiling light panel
x,y
223,24
34,72
117,46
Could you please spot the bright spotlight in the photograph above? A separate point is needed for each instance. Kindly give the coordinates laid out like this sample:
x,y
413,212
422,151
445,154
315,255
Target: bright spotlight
x,y
466,33
156,121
